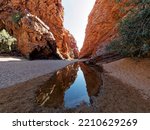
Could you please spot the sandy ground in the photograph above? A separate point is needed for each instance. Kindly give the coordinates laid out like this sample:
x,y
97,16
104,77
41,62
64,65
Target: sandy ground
x,y
16,70
11,58
114,96
135,73
125,87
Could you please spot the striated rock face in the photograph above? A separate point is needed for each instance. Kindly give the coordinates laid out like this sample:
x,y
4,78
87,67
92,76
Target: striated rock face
x,y
70,48
39,28
102,26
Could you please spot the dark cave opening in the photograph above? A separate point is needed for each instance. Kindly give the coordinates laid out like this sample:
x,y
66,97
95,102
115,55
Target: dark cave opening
x,y
36,54
47,52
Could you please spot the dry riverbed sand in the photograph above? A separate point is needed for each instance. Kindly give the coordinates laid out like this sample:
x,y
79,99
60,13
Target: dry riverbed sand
x,y
16,70
133,72
119,92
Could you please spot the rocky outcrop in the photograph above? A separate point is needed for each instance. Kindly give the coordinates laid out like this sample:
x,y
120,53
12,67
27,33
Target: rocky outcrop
x,y
103,26
70,45
38,27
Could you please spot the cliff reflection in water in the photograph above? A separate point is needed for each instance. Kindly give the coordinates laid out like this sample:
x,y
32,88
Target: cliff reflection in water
x,y
70,87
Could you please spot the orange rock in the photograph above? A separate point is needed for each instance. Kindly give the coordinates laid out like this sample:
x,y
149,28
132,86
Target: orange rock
x,y
49,13
70,45
102,26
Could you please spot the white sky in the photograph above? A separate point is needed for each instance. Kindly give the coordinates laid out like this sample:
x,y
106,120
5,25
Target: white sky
x,y
76,17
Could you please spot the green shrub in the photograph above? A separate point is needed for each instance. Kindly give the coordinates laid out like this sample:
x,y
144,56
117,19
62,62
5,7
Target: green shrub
x,y
7,42
134,32
16,17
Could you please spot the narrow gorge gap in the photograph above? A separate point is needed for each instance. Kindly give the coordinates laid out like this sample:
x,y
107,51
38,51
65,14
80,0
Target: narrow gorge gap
x,y
76,14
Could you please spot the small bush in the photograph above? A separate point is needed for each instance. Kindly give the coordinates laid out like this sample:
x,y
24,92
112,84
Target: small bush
x,y
16,17
7,42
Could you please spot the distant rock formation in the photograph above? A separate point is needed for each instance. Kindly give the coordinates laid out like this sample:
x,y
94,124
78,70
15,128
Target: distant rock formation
x,y
102,26
38,27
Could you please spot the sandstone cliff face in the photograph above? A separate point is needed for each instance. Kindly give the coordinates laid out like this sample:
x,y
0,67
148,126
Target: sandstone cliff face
x,y
102,26
70,48
46,18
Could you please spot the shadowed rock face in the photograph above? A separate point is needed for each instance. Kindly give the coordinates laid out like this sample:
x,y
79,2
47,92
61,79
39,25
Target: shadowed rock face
x,y
102,26
40,27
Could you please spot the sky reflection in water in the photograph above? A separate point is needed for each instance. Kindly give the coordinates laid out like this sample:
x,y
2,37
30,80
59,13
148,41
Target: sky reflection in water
x,y
77,93
70,87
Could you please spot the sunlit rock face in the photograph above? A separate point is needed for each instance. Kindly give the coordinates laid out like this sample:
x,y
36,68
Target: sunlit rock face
x,y
70,49
102,26
48,19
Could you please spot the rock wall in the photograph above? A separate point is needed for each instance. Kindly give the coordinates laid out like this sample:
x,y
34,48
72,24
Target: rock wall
x,y
49,14
103,26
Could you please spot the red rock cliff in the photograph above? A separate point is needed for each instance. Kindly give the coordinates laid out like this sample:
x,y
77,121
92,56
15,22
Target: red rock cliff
x,y
102,26
40,29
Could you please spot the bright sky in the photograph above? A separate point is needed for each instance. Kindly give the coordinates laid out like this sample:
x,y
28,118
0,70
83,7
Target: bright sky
x,y
76,17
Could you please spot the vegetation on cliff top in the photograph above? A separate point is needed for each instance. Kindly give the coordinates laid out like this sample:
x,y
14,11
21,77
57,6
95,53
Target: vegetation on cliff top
x,y
134,31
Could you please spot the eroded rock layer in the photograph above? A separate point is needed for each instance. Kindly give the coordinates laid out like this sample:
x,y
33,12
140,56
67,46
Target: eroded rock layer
x,y
103,26
38,27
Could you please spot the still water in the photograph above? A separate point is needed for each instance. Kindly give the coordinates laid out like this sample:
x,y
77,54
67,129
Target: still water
x,y
77,93
70,87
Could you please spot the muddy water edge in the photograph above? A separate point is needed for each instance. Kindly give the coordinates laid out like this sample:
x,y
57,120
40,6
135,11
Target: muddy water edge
x,y
75,88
